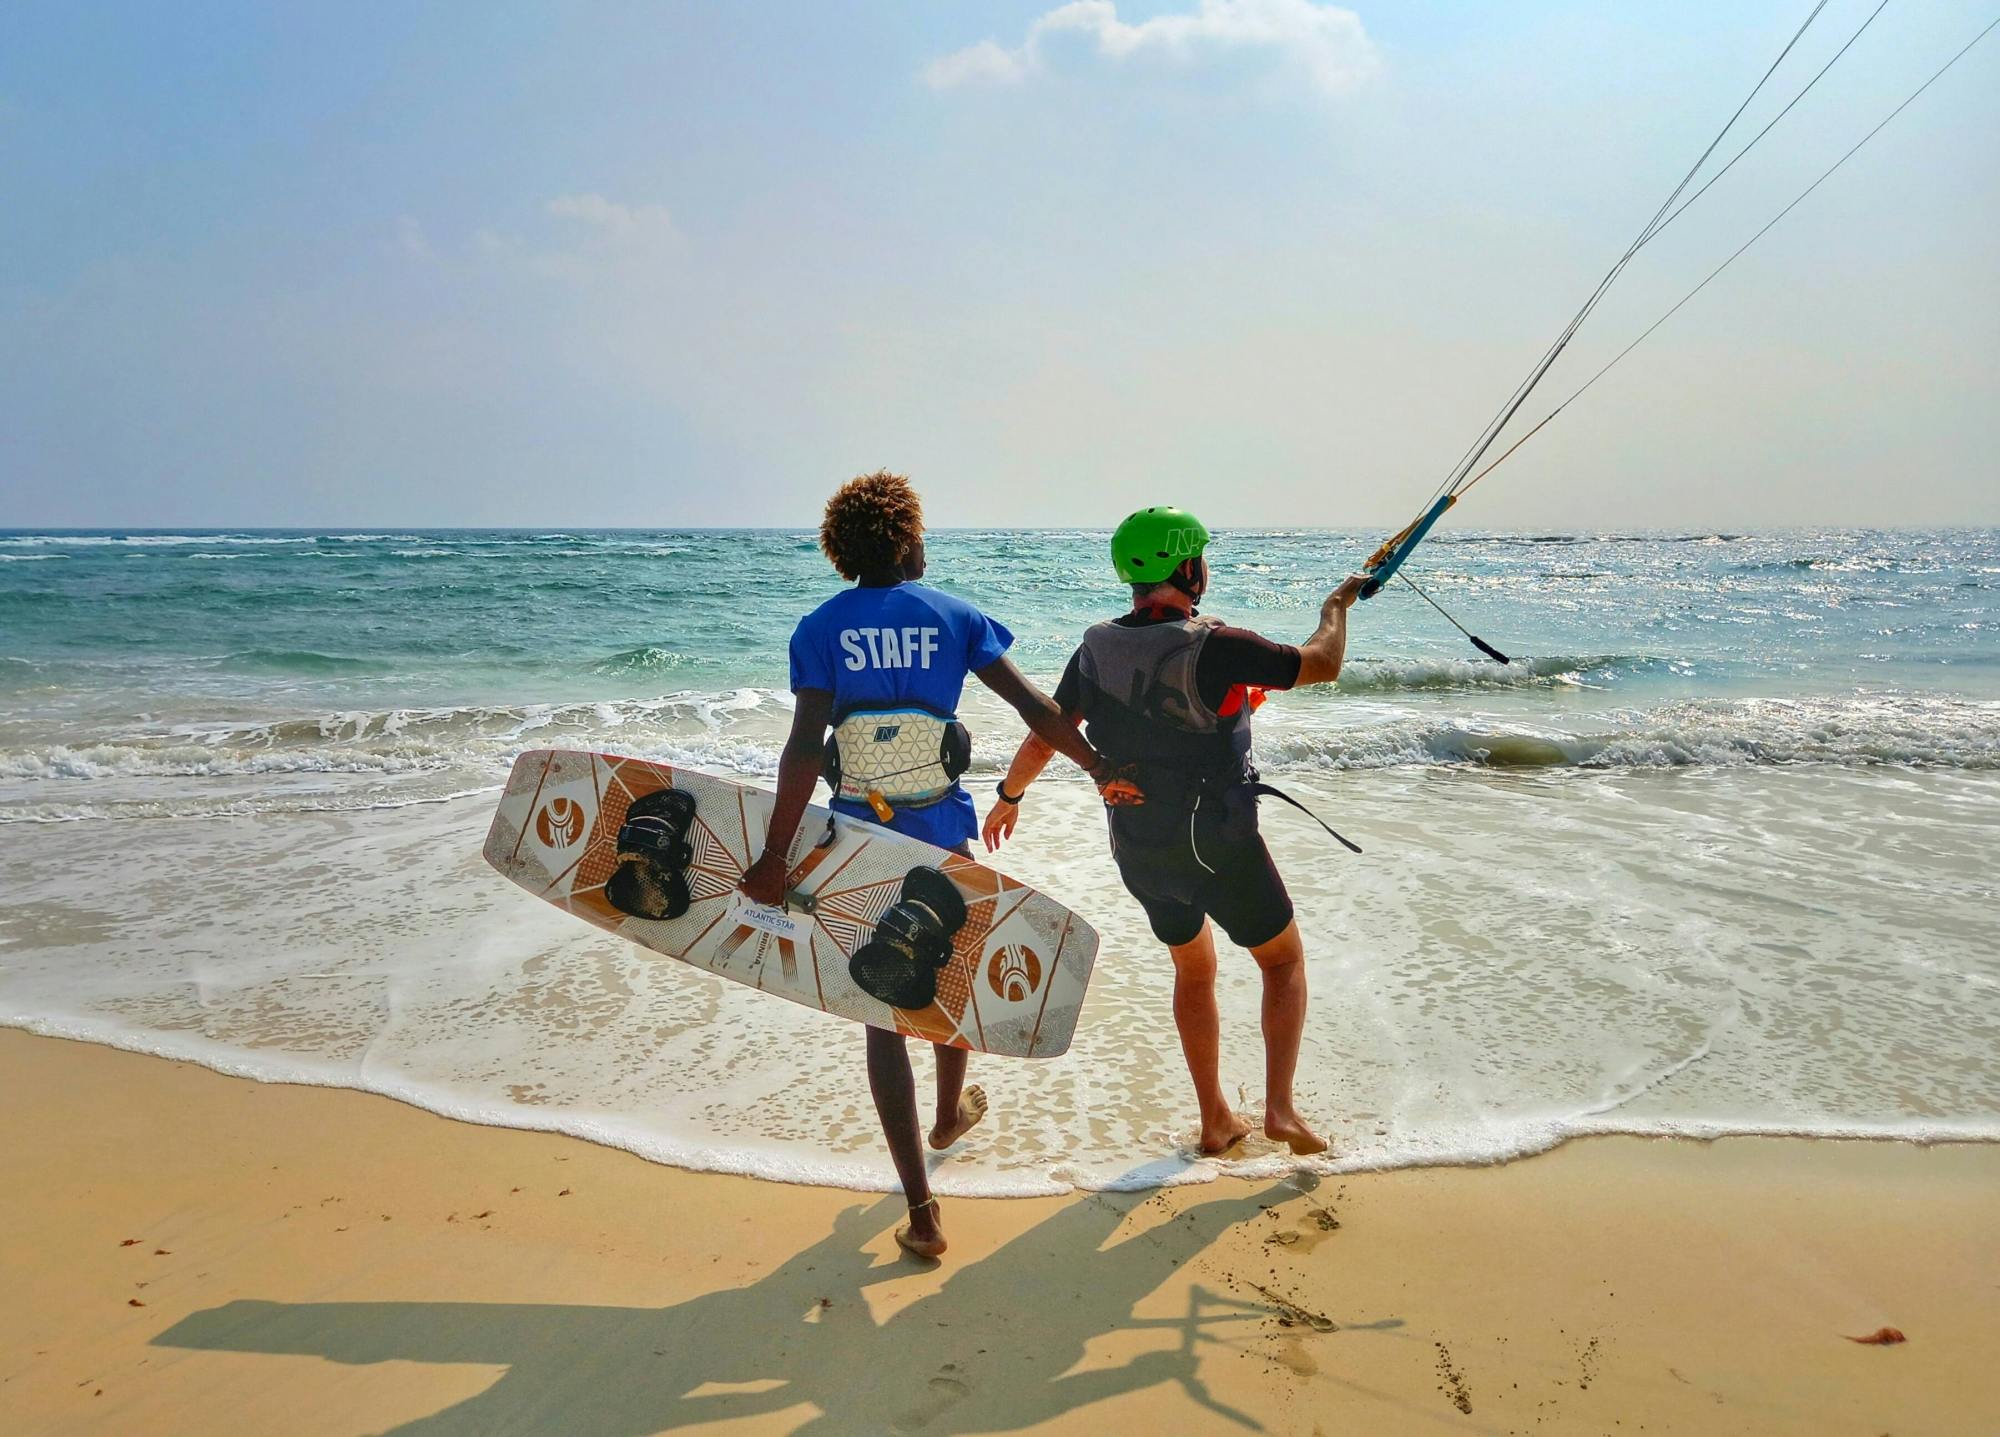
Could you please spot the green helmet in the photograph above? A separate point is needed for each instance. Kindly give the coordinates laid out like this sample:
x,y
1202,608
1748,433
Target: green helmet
x,y
1151,544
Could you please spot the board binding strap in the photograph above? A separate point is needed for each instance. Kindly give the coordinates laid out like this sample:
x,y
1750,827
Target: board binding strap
x,y
899,965
654,854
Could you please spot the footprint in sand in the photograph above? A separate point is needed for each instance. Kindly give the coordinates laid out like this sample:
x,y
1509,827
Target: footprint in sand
x,y
945,1391
1313,1229
1292,1354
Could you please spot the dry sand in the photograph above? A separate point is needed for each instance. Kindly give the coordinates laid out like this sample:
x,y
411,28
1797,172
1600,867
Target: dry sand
x,y
182,1252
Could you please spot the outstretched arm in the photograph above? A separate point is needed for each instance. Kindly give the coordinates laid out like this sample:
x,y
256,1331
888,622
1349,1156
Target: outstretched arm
x,y
798,771
1320,656
1045,721
1029,761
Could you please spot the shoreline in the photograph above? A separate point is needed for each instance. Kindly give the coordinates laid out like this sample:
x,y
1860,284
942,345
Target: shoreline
x,y
1460,1014
193,1252
1265,1160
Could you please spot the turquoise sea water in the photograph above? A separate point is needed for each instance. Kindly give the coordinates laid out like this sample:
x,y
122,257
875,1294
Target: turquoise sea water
x,y
1717,852
416,649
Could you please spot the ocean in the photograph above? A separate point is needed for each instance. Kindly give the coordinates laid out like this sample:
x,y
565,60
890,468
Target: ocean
x,y
1718,853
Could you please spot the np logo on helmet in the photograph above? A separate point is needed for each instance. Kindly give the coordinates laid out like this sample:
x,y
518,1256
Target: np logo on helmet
x,y
1153,542
560,822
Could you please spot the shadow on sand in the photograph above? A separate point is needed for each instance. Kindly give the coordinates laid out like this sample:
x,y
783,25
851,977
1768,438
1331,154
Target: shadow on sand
x,y
990,1350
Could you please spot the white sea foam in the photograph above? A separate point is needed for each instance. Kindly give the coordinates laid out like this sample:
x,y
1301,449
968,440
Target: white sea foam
x,y
1855,732
741,732
102,761
269,803
1635,960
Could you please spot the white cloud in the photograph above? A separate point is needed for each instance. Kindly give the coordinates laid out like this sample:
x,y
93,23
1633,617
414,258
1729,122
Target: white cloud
x,y
1327,41
591,239
987,63
619,221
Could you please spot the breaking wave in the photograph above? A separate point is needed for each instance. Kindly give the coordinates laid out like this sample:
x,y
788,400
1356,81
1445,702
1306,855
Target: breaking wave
x,y
643,660
298,661
738,731
1429,675
422,752
1917,733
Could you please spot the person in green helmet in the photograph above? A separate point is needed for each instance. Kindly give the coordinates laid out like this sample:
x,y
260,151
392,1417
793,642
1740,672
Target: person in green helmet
x,y
1165,694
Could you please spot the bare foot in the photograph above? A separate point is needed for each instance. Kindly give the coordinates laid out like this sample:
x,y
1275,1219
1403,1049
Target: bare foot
x,y
1221,1137
971,1108
922,1236
1291,1130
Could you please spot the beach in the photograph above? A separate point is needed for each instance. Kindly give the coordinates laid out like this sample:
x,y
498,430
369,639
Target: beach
x,y
1489,513
1653,1029
1714,855
186,1252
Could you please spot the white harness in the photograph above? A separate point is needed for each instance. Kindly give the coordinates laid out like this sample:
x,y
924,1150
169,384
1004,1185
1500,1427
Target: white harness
x,y
896,756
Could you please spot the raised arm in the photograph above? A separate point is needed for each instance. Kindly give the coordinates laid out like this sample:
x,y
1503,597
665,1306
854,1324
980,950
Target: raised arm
x,y
1320,656
798,771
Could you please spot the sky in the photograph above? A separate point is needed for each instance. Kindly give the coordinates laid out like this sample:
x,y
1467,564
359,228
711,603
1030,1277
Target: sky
x,y
656,264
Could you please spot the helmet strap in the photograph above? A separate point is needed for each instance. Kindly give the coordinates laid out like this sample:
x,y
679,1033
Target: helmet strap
x,y
1185,585
1157,610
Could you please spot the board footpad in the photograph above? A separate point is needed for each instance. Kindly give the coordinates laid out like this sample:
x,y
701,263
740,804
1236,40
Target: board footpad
x,y
651,880
899,965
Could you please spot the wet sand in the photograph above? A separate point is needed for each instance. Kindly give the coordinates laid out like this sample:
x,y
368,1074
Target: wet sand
x,y
182,1252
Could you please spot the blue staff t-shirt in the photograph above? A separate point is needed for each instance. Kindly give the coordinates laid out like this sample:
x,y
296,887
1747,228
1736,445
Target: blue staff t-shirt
x,y
876,648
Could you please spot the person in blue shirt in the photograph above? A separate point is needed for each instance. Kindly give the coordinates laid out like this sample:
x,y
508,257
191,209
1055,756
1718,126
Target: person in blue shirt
x,y
890,647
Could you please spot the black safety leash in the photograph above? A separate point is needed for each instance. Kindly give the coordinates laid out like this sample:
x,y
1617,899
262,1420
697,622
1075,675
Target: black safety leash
x,y
1265,788
1477,642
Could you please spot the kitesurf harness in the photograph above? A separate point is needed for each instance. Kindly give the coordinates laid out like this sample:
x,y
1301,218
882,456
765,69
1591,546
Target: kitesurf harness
x,y
1143,710
891,758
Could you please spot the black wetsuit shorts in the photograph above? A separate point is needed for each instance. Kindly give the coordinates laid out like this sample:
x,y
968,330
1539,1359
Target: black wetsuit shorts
x,y
1188,862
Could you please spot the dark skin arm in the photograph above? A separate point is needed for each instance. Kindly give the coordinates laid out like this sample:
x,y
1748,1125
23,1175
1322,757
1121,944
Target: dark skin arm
x,y
1039,712
799,764
798,771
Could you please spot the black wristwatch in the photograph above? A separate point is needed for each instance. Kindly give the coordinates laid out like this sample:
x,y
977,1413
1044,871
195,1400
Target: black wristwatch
x,y
1006,797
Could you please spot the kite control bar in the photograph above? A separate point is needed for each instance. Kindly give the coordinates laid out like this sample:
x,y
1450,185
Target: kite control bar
x,y
1383,563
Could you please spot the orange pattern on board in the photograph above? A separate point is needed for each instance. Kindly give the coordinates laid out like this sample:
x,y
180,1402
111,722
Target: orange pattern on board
x,y
943,1022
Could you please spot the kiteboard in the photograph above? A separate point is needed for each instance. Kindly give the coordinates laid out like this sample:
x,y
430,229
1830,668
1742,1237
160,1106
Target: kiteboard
x,y
949,950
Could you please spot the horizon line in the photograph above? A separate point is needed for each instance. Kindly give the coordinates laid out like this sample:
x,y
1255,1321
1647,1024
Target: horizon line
x,y
118,530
